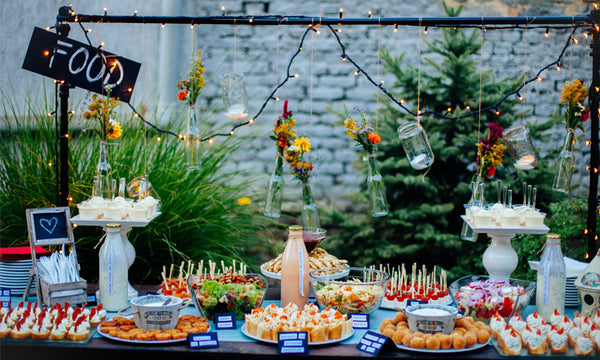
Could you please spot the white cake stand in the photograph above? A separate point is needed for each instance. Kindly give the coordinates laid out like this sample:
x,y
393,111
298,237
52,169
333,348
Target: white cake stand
x,y
126,225
500,259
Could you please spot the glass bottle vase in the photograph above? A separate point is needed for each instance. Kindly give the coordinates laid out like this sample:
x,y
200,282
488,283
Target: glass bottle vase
x,y
310,213
565,165
477,190
275,189
192,141
375,187
103,179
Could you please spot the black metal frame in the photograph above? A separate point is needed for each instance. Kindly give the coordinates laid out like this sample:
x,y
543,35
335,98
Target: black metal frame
x,y
66,15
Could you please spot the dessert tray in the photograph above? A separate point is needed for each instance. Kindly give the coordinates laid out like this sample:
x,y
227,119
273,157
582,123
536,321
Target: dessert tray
x,y
334,341
127,222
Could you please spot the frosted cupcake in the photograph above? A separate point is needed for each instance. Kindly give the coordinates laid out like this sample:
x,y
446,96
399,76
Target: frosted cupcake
x,y
121,201
534,219
99,202
152,205
112,211
138,211
87,210
482,218
509,218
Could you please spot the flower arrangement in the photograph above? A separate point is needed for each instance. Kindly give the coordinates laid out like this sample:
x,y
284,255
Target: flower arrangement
x,y
490,151
189,90
574,94
298,159
284,129
363,134
101,110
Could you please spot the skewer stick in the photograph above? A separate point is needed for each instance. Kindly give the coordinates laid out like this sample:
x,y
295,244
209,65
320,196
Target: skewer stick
x,y
171,272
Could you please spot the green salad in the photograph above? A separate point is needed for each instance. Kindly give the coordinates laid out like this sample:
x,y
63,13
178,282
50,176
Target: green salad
x,y
214,297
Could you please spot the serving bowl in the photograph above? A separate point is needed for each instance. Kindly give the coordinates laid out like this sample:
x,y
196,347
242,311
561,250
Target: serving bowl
x,y
155,311
431,318
349,289
480,297
227,293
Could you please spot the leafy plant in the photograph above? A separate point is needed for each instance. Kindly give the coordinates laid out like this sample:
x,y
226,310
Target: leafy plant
x,y
201,216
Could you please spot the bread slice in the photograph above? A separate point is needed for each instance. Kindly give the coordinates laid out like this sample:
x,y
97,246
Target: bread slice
x,y
318,334
335,331
583,345
512,343
264,331
558,342
536,344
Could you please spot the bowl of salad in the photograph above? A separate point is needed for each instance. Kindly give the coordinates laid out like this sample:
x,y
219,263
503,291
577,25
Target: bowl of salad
x,y
349,289
481,297
227,293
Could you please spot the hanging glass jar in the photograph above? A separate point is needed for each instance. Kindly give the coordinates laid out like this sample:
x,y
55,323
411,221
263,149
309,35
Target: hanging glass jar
x,y
310,214
103,178
375,187
275,189
520,147
416,145
477,199
235,98
192,141
565,165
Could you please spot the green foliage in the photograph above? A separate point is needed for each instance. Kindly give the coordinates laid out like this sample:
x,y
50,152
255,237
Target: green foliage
x,y
201,218
424,222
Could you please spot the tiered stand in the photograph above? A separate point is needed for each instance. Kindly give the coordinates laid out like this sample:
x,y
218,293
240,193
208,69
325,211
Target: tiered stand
x,y
126,226
500,259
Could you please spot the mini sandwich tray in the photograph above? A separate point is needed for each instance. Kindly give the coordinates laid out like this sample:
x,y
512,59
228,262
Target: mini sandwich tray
x,y
570,352
334,341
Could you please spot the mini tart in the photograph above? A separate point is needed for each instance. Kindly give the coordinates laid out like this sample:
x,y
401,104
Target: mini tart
x,y
583,345
4,330
536,344
573,334
517,323
78,334
558,341
566,324
512,344
22,333
534,320
525,334
40,333
497,323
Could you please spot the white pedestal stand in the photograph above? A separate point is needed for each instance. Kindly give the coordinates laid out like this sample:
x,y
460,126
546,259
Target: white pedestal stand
x,y
500,259
126,226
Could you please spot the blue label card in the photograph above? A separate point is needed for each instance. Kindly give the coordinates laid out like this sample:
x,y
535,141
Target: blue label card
x,y
292,342
416,302
372,342
91,300
360,321
225,321
5,297
203,340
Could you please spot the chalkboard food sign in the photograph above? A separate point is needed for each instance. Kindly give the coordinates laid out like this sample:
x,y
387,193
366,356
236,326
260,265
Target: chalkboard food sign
x,y
49,226
80,65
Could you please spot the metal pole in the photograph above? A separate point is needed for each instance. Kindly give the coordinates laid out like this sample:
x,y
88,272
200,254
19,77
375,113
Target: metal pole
x,y
594,101
63,31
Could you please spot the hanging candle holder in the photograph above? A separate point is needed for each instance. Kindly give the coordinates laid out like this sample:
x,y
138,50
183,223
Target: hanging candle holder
x,y
416,145
235,97
520,147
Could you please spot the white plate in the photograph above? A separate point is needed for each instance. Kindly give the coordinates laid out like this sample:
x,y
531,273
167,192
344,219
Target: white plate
x,y
447,351
102,222
254,337
153,342
506,231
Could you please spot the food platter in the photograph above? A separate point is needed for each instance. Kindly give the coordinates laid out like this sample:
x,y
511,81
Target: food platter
x,y
150,342
446,351
277,276
334,341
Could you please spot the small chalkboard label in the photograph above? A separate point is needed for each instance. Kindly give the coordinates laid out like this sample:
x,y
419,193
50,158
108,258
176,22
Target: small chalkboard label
x,y
360,321
5,297
203,340
80,65
225,321
416,302
372,343
49,226
91,300
292,342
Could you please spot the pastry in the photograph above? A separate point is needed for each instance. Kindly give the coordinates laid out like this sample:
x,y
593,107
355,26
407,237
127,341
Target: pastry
x,y
497,323
536,343
573,334
583,345
534,320
558,341
512,343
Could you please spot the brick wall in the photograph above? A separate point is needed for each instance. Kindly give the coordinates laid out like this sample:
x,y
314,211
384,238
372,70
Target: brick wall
x,y
262,54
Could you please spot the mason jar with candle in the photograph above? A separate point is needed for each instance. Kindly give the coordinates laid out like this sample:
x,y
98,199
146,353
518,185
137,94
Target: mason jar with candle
x,y
520,147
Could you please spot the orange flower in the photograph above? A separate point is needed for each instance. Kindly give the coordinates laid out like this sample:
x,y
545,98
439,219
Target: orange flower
x,y
181,96
374,138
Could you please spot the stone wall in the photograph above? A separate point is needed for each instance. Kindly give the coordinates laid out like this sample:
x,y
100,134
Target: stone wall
x,y
324,82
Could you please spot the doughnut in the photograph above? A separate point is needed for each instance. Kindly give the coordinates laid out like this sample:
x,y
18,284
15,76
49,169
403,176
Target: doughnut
x,y
400,316
433,343
445,342
125,335
459,342
162,336
187,317
127,327
397,338
417,342
203,326
191,330
471,339
137,331
407,338
480,325
483,335
389,332
119,320
144,336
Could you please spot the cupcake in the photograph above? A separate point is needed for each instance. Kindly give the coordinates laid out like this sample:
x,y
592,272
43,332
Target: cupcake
x,y
112,211
138,211
534,219
509,218
482,218
87,210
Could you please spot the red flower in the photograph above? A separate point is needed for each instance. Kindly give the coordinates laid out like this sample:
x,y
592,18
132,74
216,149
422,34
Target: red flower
x,y
374,138
286,113
491,171
585,114
181,96
281,142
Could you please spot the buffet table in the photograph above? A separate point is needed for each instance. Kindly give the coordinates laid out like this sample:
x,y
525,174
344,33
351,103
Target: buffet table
x,y
233,344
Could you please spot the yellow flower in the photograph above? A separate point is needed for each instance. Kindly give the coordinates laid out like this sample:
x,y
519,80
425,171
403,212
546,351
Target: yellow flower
x,y
114,130
573,93
303,144
244,201
350,125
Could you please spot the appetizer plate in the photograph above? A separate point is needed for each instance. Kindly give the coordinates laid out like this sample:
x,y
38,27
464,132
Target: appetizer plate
x,y
152,342
447,351
334,341
569,353
65,340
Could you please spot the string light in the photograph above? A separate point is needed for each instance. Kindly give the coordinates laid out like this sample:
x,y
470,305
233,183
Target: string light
x,y
250,121
46,52
369,14
539,78
575,41
251,20
210,140
231,132
497,112
449,109
162,25
396,28
426,29
547,33
341,13
588,142
223,10
557,67
158,138
105,11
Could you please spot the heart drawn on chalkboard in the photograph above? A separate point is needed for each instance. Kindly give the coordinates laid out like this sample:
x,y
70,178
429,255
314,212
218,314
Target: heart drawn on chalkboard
x,y
49,224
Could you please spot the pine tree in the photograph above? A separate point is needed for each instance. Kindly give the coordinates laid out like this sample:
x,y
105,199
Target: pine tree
x,y
424,222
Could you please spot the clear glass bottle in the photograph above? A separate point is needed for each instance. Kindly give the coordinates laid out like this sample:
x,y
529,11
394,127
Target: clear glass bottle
x,y
193,145
294,269
275,189
113,279
103,186
310,212
375,187
551,279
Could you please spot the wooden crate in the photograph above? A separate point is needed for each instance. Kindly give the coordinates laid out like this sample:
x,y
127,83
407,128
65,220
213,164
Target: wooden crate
x,y
50,292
